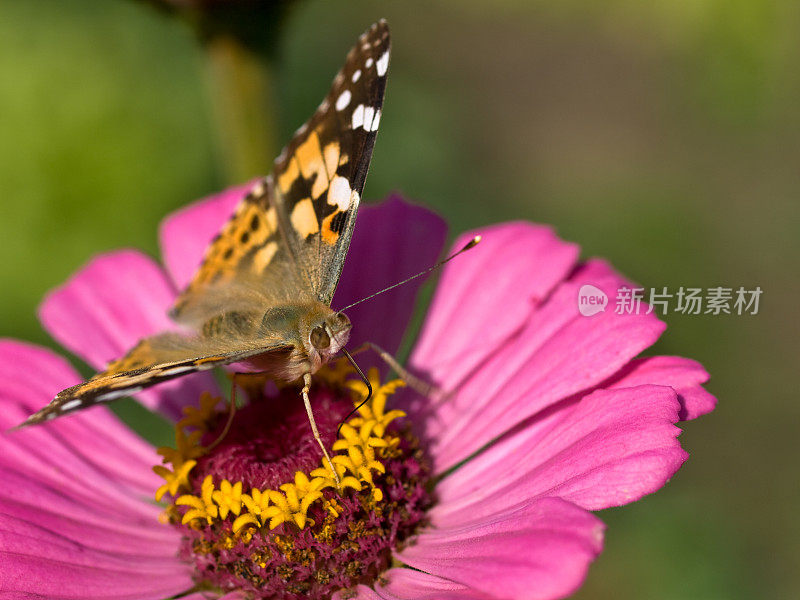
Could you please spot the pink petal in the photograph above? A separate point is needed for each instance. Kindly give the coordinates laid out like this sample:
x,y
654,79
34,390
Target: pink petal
x,y
96,437
362,592
214,596
75,516
682,374
108,306
537,550
406,584
27,575
84,464
113,528
186,233
487,295
558,354
392,240
607,449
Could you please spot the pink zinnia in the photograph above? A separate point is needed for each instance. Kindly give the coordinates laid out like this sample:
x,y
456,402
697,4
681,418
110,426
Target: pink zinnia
x,y
548,415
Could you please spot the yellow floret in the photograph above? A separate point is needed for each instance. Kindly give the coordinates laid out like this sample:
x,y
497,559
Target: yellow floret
x,y
355,464
228,497
186,447
199,418
174,480
202,507
375,409
336,372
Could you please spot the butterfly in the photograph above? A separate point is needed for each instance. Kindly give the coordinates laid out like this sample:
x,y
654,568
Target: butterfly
x,y
262,293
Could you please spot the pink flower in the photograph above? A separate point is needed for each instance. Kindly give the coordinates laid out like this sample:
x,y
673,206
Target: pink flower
x,y
549,416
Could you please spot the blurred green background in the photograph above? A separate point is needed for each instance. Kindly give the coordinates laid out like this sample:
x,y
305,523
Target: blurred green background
x,y
662,135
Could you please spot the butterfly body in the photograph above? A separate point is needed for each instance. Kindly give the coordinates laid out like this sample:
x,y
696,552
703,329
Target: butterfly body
x,y
313,331
261,295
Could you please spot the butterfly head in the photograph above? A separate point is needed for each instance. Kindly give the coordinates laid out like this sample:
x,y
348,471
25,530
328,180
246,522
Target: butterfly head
x,y
328,335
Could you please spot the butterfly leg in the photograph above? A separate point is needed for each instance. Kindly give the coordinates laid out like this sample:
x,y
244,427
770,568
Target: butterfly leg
x,y
307,402
231,414
415,383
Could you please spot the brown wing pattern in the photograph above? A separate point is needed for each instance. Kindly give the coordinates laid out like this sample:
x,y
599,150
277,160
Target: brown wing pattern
x,y
151,361
246,267
319,177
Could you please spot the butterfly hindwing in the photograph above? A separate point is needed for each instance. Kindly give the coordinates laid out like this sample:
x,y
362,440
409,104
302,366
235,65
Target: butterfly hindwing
x,y
319,177
247,263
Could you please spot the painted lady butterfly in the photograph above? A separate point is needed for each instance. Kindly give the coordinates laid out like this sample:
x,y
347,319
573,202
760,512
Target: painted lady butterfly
x,y
263,291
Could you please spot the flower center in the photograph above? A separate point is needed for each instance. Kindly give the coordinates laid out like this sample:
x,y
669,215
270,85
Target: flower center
x,y
260,511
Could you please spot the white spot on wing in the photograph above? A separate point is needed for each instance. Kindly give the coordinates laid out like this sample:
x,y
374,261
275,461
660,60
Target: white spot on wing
x,y
369,113
343,100
108,396
375,121
71,404
339,192
176,370
358,116
369,62
382,64
356,75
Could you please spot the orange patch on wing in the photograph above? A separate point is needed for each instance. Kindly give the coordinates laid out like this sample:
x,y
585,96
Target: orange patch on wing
x,y
312,164
251,228
328,235
139,357
287,178
208,359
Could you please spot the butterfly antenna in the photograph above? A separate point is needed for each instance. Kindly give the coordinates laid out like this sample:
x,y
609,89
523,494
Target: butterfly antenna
x,y
469,245
366,382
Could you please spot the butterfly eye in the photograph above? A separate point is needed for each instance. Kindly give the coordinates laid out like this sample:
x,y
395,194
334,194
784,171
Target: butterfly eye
x,y
320,338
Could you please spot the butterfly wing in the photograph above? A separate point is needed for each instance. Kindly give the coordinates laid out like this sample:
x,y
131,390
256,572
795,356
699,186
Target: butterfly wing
x,y
151,361
319,176
288,238
247,268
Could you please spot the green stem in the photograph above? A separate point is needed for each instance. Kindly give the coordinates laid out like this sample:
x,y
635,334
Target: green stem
x,y
244,108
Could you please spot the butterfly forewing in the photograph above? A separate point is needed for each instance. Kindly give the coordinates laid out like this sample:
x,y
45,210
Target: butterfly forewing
x,y
319,177
151,361
288,237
